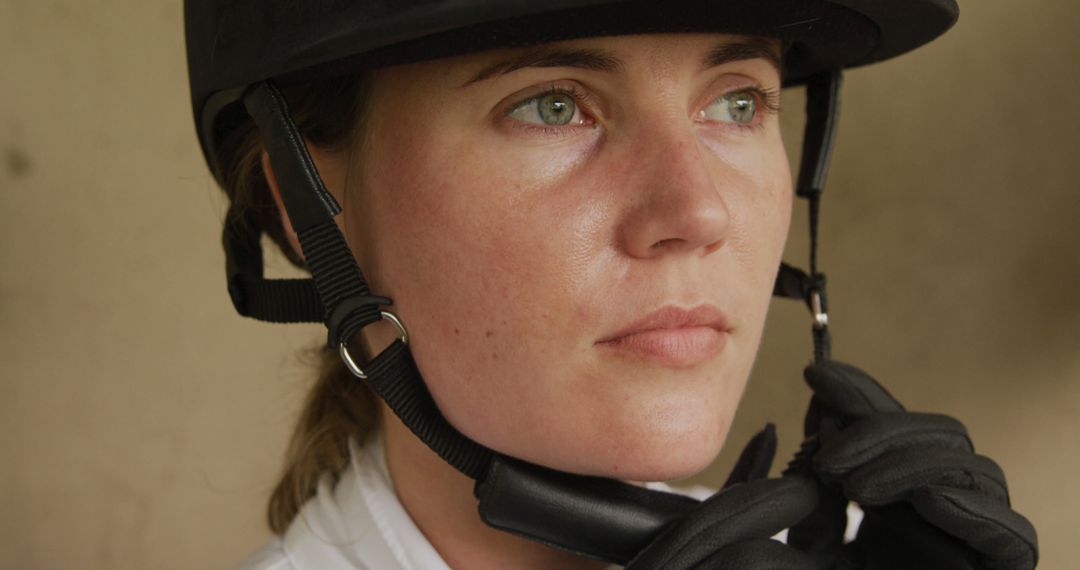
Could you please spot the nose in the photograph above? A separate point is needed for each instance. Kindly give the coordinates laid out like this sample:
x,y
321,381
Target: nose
x,y
678,207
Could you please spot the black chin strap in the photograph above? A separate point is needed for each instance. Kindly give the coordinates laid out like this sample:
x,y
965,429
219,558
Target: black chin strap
x,y
823,530
346,302
601,518
822,117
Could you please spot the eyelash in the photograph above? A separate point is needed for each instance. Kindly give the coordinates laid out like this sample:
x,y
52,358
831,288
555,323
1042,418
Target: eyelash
x,y
582,99
768,101
768,98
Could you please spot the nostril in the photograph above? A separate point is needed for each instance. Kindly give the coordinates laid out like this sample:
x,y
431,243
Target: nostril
x,y
664,243
673,244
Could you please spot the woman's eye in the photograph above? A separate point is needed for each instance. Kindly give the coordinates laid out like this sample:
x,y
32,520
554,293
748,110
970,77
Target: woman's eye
x,y
738,107
552,109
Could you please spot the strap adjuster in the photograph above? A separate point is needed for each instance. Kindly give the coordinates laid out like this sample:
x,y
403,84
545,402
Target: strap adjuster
x,y
817,301
344,309
817,307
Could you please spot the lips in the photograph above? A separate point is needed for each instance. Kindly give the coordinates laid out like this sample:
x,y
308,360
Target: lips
x,y
672,336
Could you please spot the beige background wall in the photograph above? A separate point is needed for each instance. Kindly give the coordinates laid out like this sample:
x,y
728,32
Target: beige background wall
x,y
141,423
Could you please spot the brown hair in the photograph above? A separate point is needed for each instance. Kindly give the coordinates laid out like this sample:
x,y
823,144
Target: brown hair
x,y
338,407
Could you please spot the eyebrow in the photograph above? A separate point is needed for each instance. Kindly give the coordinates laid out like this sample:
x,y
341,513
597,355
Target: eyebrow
x,y
743,50
604,61
590,59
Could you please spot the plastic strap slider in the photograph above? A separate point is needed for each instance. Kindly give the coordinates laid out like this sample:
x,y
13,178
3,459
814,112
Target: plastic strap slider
x,y
344,309
821,318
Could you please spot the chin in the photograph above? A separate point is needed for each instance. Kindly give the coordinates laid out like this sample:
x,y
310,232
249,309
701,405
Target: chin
x,y
637,455
673,441
664,460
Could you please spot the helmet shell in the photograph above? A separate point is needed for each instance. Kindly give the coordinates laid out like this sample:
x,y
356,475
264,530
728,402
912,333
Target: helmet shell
x,y
234,43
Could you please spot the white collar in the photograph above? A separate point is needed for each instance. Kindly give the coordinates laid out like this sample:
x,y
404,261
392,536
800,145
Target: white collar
x,y
359,523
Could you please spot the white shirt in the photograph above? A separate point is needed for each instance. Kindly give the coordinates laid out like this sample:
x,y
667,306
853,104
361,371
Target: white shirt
x,y
359,525
356,525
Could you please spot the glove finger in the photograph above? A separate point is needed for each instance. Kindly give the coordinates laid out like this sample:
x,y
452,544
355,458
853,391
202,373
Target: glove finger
x,y
1004,539
756,458
761,554
849,391
874,436
895,476
751,510
897,537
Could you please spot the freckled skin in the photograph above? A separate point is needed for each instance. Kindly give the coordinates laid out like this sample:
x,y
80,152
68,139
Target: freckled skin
x,y
509,255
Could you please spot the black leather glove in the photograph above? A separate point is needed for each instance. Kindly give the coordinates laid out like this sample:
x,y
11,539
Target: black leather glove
x,y
731,530
929,500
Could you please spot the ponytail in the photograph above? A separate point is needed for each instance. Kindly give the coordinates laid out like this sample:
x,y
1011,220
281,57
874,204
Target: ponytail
x,y
338,408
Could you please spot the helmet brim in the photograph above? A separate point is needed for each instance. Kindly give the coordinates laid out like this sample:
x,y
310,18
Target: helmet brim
x,y
234,44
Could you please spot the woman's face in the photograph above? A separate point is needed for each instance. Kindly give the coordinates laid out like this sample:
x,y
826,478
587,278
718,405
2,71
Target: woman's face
x,y
581,239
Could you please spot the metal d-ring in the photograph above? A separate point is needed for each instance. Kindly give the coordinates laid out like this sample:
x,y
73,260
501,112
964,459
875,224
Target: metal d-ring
x,y
403,335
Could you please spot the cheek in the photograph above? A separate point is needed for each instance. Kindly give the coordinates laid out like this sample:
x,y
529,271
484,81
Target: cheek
x,y
483,227
759,202
759,233
483,254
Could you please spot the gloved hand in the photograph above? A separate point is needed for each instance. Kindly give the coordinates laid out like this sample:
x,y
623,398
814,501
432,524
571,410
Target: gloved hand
x,y
930,501
731,530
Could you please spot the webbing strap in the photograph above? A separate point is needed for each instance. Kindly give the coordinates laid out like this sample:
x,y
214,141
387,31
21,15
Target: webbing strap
x,y
282,301
792,283
341,285
311,210
272,300
394,377
337,277
823,530
822,118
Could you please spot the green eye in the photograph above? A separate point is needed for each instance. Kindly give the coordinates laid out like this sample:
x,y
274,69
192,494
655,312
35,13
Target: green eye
x,y
553,109
739,107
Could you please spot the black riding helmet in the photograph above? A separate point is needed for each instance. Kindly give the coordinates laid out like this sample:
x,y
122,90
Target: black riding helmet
x,y
239,50
232,44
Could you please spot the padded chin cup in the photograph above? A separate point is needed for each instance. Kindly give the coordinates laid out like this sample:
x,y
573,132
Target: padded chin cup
x,y
595,517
